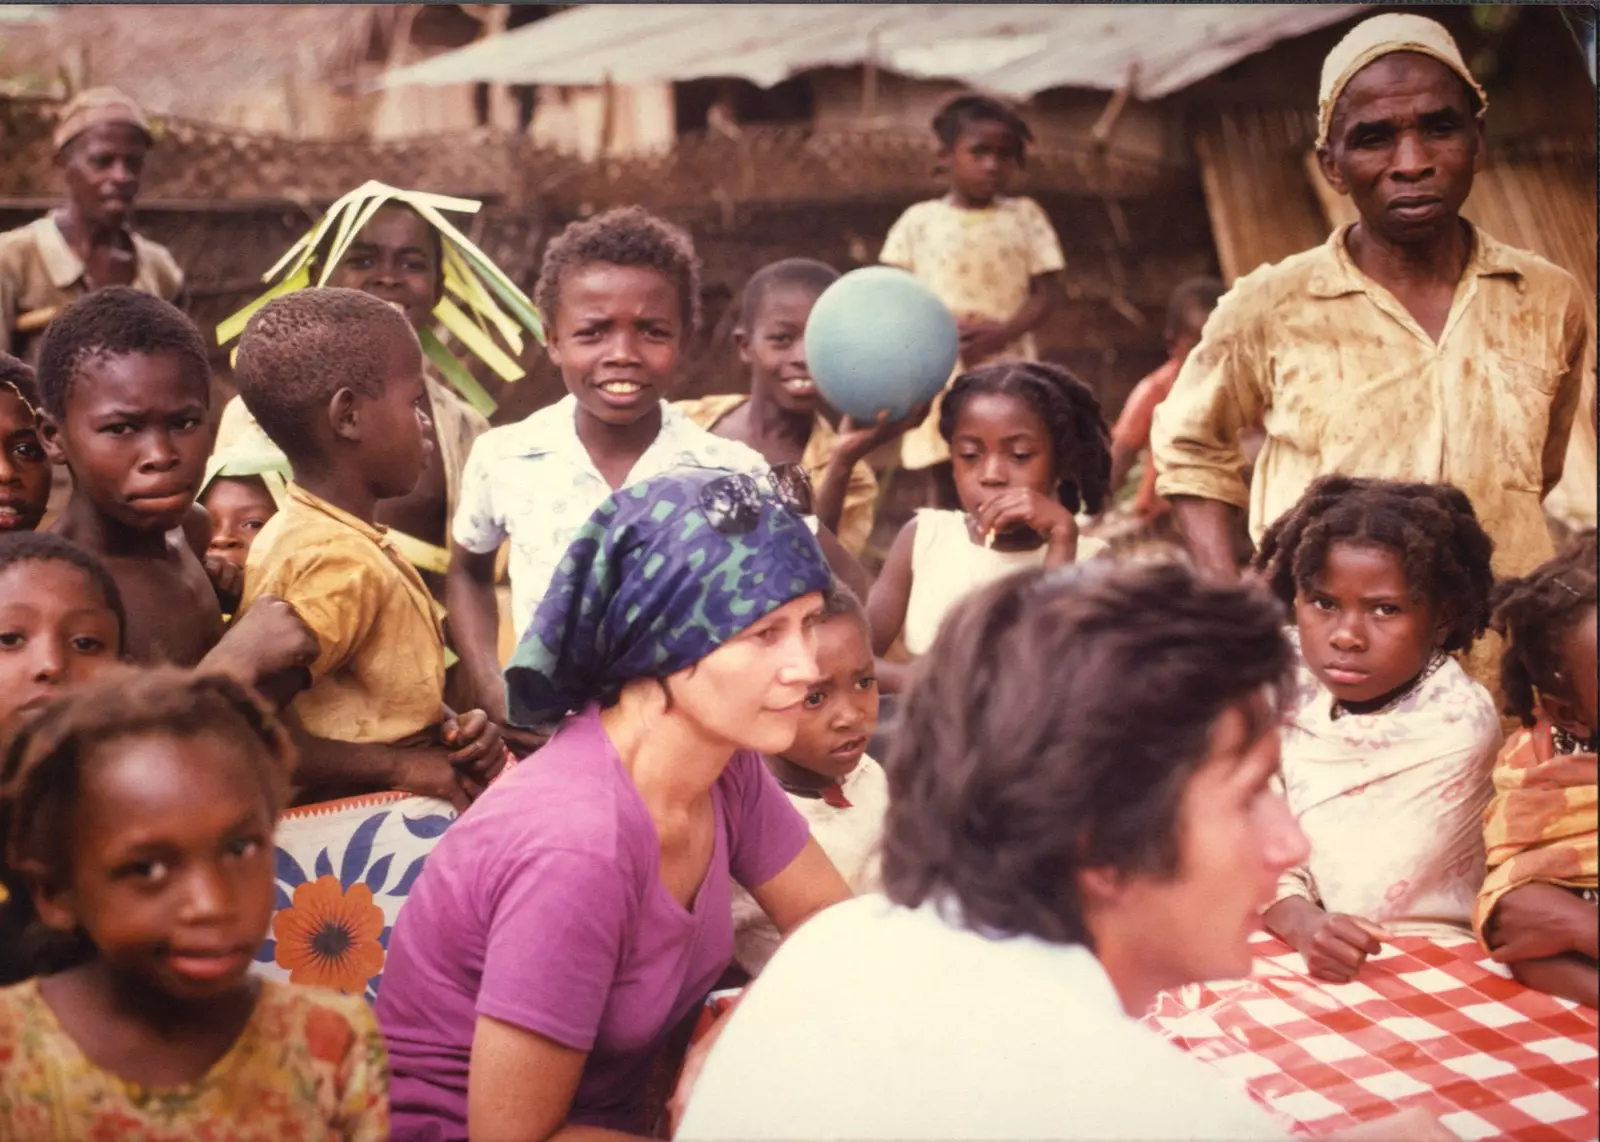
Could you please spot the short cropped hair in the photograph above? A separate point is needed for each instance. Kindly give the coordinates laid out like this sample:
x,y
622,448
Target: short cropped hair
x,y
805,273
963,111
114,322
19,547
1053,728
302,348
629,236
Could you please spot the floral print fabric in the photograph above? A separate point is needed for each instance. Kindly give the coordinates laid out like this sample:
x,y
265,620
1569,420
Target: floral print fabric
x,y
309,1065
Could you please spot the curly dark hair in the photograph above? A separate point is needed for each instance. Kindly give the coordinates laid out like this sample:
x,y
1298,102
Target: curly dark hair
x,y
1534,614
18,547
114,322
962,111
302,348
628,236
1054,727
42,763
1430,527
807,273
18,376
1080,442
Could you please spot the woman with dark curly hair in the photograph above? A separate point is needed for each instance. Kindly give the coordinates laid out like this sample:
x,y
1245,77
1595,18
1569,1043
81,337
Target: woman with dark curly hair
x,y
583,907
1387,755
1031,450
1081,814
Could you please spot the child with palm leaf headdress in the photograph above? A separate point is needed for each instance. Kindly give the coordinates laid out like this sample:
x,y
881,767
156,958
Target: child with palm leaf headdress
x,y
397,246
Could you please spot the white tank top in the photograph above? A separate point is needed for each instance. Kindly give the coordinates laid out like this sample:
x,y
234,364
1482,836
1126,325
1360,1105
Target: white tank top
x,y
946,565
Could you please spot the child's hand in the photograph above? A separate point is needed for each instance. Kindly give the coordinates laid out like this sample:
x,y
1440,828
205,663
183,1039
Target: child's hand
x,y
428,773
227,580
856,442
1336,948
981,339
270,639
479,753
1538,920
1024,507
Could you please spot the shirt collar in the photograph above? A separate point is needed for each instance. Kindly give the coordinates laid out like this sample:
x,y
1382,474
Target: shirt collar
x,y
1340,275
375,532
61,263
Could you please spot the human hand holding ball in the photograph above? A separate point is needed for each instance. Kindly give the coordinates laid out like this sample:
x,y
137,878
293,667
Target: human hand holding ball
x,y
880,344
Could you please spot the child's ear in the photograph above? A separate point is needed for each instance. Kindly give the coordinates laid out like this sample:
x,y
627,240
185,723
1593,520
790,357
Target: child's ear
x,y
52,897
344,416
741,338
50,434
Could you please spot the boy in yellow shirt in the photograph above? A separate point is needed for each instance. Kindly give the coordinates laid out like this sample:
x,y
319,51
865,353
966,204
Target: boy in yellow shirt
x,y
334,378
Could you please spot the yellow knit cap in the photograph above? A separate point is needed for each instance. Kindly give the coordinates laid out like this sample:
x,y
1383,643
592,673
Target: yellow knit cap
x,y
1380,36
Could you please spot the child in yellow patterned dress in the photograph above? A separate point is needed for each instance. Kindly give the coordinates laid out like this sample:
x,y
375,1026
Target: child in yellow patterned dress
x,y
993,259
136,814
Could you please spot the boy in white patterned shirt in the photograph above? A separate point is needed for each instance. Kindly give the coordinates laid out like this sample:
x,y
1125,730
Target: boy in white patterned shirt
x,y
620,295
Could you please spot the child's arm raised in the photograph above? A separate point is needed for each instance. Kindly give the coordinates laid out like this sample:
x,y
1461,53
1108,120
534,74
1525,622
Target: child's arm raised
x,y
854,444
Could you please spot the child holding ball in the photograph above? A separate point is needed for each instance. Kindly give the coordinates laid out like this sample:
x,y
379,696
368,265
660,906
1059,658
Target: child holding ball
x,y
1030,449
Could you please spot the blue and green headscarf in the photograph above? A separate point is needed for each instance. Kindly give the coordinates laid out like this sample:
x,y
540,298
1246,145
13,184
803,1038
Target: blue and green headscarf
x,y
650,587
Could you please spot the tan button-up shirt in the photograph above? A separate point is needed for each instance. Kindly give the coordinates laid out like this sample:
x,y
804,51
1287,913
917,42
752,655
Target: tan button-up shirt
x,y
1347,382
41,274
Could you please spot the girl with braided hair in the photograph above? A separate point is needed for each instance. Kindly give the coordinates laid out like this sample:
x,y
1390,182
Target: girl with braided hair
x,y
1387,751
1030,450
1537,908
136,817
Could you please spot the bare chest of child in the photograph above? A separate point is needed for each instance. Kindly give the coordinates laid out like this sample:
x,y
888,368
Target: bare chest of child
x,y
173,614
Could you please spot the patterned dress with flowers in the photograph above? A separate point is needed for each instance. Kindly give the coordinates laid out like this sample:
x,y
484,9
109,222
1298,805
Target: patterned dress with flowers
x,y
309,1066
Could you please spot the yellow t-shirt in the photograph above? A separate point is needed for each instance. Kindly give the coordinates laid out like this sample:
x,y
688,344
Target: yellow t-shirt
x,y
861,494
980,263
380,674
308,1064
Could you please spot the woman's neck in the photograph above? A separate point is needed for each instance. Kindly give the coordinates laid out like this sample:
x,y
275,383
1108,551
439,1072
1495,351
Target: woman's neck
x,y
673,763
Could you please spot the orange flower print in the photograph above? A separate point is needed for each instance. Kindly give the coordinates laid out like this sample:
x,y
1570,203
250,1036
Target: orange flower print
x,y
329,937
327,1034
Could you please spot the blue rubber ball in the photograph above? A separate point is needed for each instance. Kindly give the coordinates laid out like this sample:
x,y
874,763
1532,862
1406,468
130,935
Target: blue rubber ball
x,y
879,339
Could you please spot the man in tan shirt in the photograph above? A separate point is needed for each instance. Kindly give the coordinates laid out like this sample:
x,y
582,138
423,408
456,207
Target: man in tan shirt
x,y
101,141
1410,346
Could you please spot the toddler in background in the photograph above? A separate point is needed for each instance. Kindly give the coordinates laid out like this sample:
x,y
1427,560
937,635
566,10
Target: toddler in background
x,y
1537,910
839,790
24,468
993,259
136,816
1030,450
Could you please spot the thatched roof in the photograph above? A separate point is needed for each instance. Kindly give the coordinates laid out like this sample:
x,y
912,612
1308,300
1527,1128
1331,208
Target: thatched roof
x,y
201,60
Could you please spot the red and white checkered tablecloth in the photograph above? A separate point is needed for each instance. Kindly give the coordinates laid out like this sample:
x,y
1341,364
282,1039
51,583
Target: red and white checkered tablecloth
x,y
1438,1027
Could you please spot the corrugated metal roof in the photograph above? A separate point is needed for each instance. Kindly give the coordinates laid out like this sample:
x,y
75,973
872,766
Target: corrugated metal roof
x,y
1012,49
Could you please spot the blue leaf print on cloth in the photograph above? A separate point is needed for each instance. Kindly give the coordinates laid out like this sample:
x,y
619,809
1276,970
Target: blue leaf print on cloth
x,y
413,870
378,874
428,827
359,850
324,865
288,869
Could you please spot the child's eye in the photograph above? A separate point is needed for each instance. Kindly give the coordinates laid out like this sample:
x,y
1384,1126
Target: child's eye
x,y
12,640
415,266
244,846
29,450
1387,610
780,340
1022,457
1323,604
117,429
254,524
967,457
187,423
867,683
86,644
814,699
151,872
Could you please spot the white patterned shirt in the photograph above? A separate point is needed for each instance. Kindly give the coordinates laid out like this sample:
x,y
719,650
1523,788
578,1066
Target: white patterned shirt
x,y
534,483
1393,802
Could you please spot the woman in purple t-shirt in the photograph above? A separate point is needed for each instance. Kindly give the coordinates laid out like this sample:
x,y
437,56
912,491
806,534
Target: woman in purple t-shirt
x,y
581,908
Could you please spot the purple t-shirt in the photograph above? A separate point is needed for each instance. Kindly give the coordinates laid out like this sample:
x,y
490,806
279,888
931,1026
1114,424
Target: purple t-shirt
x,y
543,907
